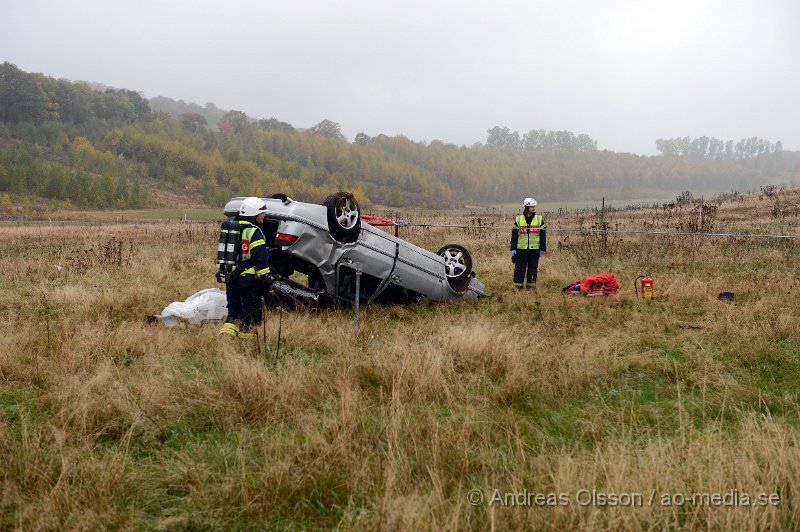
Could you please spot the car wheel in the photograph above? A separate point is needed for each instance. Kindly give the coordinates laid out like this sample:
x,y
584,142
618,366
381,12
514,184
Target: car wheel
x,y
344,217
457,266
279,195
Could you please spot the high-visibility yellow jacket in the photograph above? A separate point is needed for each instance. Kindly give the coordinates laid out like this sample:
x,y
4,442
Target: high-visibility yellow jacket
x,y
255,256
529,234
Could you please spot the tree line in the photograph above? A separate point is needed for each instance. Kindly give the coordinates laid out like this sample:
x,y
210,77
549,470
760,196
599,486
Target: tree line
x,y
539,140
713,148
68,141
37,98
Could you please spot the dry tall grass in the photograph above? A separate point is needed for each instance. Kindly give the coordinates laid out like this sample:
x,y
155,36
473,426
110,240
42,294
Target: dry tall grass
x,y
108,422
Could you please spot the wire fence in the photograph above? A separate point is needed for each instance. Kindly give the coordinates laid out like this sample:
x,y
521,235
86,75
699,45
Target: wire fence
x,y
608,231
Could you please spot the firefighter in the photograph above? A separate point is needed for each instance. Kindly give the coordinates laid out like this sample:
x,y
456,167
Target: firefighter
x,y
245,290
528,242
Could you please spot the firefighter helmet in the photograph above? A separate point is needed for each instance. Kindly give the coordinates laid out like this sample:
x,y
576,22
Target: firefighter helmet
x,y
529,202
252,207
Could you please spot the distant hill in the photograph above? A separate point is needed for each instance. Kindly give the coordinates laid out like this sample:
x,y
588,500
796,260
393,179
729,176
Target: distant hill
x,y
104,147
175,108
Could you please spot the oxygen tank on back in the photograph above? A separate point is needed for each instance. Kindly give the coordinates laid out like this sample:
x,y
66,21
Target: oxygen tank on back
x,y
228,250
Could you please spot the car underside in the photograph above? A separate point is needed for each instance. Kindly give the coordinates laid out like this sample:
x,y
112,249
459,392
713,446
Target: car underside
x,y
341,258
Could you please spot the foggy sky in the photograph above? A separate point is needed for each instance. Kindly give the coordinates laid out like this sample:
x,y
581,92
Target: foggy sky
x,y
624,72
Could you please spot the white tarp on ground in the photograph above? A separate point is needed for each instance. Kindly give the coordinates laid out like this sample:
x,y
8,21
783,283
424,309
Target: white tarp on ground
x,y
206,305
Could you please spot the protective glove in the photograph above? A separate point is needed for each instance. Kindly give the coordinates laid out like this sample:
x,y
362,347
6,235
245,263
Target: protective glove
x,y
265,283
541,252
514,256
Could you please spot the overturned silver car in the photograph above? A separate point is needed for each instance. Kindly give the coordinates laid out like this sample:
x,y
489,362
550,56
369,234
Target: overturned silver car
x,y
331,245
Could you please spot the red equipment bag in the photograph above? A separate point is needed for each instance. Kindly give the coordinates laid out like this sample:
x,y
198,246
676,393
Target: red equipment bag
x,y
600,282
594,285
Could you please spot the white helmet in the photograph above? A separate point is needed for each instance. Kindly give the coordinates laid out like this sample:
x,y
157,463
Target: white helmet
x,y
529,202
252,207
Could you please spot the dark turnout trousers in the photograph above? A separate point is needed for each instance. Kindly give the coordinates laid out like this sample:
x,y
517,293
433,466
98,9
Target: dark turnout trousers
x,y
244,304
527,259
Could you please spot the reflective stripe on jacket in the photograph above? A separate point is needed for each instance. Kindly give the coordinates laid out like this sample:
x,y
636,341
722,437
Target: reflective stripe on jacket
x,y
528,235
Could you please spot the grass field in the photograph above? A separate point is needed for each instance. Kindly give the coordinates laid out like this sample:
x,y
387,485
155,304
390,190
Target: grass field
x,y
621,413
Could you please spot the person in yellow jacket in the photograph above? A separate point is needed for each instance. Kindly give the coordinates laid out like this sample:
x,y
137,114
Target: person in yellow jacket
x,y
244,292
528,242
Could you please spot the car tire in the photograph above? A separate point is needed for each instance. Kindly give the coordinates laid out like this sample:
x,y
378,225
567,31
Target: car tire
x,y
457,266
344,217
279,195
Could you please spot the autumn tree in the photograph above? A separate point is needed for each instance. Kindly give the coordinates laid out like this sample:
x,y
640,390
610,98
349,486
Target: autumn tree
x,y
362,139
231,123
502,137
712,148
193,122
75,101
327,128
273,124
21,98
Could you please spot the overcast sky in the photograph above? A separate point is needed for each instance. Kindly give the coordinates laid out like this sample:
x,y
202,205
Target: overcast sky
x,y
624,72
